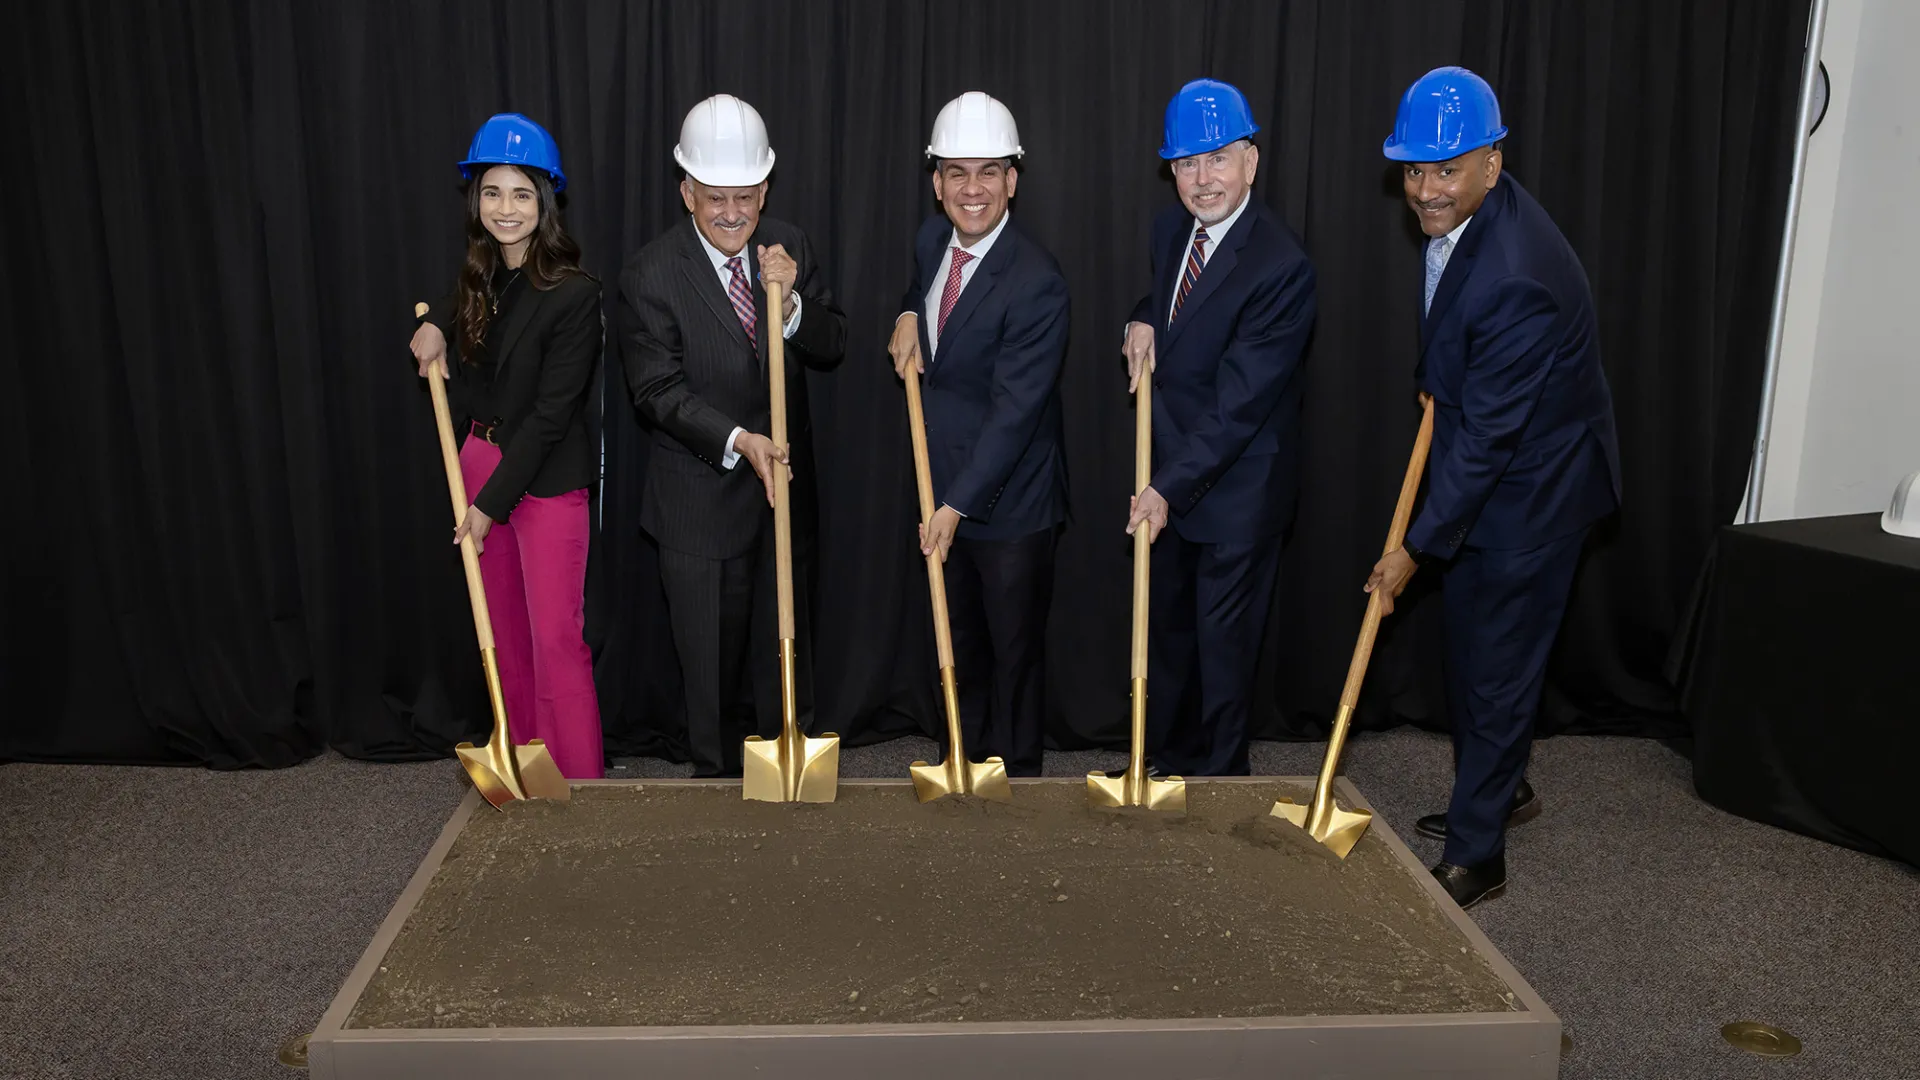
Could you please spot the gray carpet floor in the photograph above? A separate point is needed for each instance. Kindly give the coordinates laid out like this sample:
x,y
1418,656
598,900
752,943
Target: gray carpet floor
x,y
182,924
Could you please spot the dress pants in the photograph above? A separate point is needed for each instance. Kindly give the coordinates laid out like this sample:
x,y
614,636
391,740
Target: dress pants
x,y
1503,610
534,568
725,618
998,595
1209,610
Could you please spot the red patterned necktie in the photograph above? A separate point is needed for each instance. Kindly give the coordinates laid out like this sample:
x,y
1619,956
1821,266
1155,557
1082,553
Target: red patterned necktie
x,y
952,293
1196,261
743,301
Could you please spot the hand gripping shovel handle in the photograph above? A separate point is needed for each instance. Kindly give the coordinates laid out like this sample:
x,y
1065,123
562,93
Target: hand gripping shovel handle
x,y
959,775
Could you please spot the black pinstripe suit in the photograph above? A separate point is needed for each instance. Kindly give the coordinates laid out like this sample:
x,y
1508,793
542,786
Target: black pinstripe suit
x,y
694,378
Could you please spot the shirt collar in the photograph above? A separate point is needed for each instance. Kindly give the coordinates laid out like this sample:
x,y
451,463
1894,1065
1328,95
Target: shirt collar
x,y
713,253
979,250
1453,238
1217,233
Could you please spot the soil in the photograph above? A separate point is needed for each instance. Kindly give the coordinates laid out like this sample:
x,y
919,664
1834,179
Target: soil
x,y
681,905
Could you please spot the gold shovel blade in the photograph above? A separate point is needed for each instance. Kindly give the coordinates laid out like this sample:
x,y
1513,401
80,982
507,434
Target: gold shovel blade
x,y
540,774
816,770
1344,827
491,782
1106,789
986,779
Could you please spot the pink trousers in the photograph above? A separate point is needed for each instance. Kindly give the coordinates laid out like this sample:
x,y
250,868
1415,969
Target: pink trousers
x,y
534,566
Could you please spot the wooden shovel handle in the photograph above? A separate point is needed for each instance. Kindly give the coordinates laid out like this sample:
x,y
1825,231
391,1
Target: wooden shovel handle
x,y
1396,535
923,477
1142,537
782,507
457,489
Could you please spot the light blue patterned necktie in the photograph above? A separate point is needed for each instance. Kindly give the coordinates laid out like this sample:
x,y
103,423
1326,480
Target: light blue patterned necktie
x,y
1437,252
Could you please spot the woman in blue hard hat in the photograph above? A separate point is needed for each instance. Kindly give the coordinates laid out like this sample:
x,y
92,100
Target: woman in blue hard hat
x,y
522,333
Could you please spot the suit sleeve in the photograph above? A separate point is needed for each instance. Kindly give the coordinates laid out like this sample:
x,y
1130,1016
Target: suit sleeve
x,y
1254,369
1509,354
1033,348
654,355
822,333
568,358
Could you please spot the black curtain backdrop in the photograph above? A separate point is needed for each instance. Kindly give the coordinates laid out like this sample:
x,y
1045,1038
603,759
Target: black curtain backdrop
x,y
227,529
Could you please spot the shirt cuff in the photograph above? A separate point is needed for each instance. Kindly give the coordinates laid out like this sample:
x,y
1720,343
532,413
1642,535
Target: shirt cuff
x,y
793,323
950,506
729,459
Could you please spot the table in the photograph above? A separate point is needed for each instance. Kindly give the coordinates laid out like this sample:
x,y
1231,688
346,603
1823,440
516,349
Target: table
x,y
1798,666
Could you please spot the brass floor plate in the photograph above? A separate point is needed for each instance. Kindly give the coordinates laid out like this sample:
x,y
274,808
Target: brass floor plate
x,y
293,1052
1763,1039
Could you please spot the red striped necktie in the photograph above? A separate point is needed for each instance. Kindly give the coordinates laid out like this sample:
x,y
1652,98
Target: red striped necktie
x,y
951,294
742,299
1196,262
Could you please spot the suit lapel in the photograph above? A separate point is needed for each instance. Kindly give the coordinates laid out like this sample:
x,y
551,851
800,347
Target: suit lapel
x,y
1173,261
977,288
517,321
930,256
1459,265
699,270
1219,265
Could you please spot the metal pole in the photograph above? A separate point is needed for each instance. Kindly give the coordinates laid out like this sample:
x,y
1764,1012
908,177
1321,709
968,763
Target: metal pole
x,y
1809,77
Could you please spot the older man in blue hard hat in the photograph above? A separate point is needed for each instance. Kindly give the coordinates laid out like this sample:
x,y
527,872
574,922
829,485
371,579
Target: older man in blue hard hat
x,y
1524,459
1222,333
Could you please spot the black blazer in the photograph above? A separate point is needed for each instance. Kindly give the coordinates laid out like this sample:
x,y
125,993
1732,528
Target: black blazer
x,y
993,390
694,379
1227,385
1524,448
542,385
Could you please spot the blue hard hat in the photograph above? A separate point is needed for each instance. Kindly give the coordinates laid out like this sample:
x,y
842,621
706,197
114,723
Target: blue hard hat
x,y
512,139
1206,114
1445,113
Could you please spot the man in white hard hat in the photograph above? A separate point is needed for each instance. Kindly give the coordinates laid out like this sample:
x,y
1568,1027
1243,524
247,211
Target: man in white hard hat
x,y
984,324
693,330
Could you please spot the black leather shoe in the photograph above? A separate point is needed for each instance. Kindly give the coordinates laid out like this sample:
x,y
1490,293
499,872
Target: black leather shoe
x,y
1526,807
1468,885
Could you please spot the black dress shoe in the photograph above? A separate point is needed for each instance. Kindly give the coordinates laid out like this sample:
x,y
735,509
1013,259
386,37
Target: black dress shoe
x,y
1468,885
1526,807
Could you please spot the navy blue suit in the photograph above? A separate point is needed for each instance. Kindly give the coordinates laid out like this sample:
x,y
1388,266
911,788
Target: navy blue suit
x,y
992,400
1226,457
1524,462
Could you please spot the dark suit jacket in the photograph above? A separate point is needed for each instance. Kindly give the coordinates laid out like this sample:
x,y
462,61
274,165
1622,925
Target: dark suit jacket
x,y
1524,449
543,382
694,379
991,393
1226,389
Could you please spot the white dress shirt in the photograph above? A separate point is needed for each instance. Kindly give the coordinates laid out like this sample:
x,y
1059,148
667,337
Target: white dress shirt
x,y
719,260
938,290
1216,235
1453,241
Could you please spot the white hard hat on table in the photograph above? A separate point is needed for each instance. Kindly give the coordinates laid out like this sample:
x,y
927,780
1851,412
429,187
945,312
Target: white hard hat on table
x,y
974,125
723,143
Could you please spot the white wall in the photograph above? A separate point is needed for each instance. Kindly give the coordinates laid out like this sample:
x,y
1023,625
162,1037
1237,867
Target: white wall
x,y
1846,418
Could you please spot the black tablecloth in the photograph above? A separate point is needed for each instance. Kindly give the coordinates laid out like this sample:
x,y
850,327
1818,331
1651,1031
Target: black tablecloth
x,y
1799,668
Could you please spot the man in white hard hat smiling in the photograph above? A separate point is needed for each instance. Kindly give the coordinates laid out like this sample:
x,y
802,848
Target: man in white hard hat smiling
x,y
693,331
985,320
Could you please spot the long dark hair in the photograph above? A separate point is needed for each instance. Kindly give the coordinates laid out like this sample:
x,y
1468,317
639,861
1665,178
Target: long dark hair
x,y
552,256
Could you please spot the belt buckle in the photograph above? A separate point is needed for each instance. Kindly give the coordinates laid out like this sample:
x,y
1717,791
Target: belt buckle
x,y
485,431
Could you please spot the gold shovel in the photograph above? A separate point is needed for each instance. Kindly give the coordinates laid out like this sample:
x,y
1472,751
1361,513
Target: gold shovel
x,y
987,779
501,771
1133,787
792,767
1341,829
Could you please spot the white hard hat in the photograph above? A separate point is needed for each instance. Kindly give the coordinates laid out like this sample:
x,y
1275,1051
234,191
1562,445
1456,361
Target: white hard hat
x,y
974,125
723,143
1903,515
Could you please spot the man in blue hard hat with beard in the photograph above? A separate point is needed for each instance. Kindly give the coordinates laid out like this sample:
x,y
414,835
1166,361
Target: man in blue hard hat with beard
x,y
1221,334
1524,459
